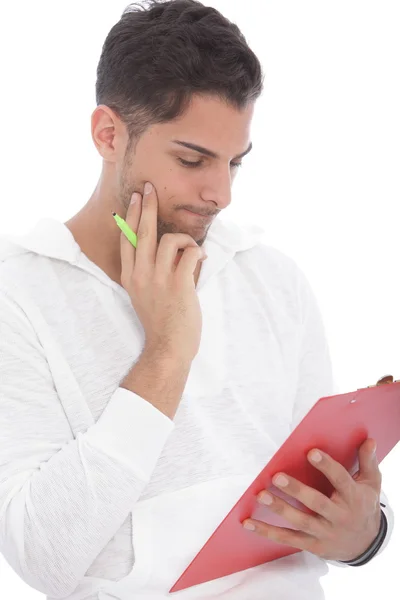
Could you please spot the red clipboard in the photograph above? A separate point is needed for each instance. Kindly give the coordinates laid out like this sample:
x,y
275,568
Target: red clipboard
x,y
338,425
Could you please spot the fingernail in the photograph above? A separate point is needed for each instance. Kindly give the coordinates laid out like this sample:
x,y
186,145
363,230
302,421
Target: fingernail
x,y
248,525
147,188
135,197
266,499
281,481
316,457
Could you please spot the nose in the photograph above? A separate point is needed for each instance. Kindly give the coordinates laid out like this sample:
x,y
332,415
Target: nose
x,y
217,188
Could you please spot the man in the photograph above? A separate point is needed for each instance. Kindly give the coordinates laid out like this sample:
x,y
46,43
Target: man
x,y
143,389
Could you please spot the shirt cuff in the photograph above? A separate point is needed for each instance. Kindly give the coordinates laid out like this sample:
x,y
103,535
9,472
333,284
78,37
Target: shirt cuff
x,y
132,431
388,512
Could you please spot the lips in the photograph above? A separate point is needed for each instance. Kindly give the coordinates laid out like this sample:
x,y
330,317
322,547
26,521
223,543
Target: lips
x,y
197,213
205,217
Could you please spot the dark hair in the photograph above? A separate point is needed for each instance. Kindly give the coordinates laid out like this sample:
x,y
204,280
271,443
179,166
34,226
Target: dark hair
x,y
156,57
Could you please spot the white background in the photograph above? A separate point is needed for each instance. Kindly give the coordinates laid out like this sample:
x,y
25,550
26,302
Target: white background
x,y
323,177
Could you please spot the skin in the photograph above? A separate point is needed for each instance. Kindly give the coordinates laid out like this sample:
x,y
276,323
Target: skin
x,y
210,123
347,523
342,526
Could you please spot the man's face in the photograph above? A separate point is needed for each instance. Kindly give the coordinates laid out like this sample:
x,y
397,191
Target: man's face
x,y
205,187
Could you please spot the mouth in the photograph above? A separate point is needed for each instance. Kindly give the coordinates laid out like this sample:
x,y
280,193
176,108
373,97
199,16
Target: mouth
x,y
205,218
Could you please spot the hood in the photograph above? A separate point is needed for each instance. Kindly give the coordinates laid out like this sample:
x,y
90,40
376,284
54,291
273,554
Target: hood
x,y
52,238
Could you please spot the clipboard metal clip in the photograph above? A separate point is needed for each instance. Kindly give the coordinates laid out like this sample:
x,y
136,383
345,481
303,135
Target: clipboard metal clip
x,y
382,381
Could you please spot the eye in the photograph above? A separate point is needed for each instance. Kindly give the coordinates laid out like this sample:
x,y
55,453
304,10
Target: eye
x,y
198,163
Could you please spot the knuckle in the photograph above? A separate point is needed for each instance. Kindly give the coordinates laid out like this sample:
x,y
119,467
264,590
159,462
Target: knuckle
x,y
191,240
285,536
294,487
194,251
142,233
278,508
320,505
177,238
340,481
305,523
167,237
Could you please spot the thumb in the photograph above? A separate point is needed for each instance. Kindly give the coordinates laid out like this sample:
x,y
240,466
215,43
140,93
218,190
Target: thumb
x,y
368,459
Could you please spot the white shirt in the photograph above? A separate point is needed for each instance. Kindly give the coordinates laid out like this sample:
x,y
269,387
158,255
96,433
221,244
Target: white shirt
x,y
101,495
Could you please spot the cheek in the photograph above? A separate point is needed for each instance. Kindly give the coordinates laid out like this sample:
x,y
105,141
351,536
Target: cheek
x,y
177,186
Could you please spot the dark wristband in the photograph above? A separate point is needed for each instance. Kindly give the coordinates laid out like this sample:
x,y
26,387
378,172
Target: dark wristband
x,y
373,548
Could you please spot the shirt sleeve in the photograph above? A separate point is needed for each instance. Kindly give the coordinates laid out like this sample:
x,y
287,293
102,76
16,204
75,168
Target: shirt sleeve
x,y
316,378
62,498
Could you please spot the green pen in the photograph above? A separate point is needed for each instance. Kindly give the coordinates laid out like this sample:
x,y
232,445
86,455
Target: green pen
x,y
124,227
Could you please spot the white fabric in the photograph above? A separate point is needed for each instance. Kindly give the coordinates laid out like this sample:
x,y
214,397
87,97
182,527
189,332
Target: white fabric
x,y
101,495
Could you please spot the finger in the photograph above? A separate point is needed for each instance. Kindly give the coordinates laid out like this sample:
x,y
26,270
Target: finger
x,y
188,263
369,464
301,520
311,498
283,535
132,218
146,250
168,248
335,473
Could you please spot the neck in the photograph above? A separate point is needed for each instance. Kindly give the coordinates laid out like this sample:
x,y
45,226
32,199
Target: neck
x,y
98,237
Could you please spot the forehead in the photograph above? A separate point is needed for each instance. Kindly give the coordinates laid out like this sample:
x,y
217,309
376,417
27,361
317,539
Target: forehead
x,y
211,122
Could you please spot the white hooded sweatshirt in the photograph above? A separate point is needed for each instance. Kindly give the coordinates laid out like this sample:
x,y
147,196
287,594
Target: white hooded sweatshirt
x,y
104,497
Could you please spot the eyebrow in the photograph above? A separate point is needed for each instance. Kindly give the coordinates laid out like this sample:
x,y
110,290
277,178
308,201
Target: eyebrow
x,y
209,152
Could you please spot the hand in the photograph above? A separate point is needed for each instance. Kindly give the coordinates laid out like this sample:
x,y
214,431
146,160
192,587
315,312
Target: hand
x,y
162,294
345,524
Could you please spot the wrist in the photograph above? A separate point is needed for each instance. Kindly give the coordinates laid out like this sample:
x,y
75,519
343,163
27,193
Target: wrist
x,y
373,549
